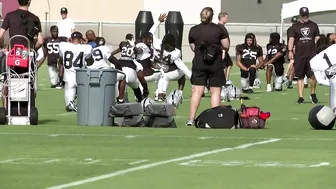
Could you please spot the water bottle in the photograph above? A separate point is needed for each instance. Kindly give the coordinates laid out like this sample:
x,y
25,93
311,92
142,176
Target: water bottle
x,y
18,51
25,54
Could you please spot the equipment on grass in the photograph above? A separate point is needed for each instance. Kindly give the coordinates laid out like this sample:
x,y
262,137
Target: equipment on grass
x,y
252,117
21,86
143,23
322,117
130,114
175,98
257,83
220,117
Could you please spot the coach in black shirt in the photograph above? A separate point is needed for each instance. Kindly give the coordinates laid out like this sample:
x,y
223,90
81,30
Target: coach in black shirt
x,y
303,35
23,22
207,40
222,20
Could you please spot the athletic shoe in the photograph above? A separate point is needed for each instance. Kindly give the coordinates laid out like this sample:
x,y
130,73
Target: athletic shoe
x,y
313,98
300,100
190,122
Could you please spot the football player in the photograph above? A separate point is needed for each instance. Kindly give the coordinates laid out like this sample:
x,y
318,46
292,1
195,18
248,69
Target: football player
x,y
100,54
168,58
126,49
51,50
274,62
324,67
74,56
247,55
127,65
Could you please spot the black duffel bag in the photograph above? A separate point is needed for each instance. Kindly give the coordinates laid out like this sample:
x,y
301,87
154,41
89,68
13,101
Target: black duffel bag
x,y
220,117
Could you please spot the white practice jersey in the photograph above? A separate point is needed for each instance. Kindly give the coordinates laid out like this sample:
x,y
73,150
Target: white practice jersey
x,y
324,65
100,56
74,56
146,51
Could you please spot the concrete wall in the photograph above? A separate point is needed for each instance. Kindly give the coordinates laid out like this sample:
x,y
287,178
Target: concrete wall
x,y
89,10
249,11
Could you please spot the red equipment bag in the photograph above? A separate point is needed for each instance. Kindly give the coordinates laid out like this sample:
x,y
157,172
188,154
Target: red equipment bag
x,y
253,118
18,57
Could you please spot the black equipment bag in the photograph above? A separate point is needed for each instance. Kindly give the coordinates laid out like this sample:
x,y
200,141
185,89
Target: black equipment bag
x,y
164,122
220,117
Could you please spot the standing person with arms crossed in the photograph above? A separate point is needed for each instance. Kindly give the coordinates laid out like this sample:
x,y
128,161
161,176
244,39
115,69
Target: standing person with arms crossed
x,y
222,20
66,26
303,35
207,40
22,22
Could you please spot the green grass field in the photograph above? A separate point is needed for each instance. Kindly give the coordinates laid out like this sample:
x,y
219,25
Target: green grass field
x,y
59,154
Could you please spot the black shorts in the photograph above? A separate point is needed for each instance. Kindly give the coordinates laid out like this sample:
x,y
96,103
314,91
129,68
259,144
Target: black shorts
x,y
302,67
278,68
243,73
207,75
227,61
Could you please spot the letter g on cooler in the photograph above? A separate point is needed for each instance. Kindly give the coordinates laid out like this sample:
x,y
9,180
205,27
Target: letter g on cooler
x,y
17,62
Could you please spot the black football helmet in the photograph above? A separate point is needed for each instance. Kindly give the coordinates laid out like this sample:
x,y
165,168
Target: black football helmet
x,y
100,41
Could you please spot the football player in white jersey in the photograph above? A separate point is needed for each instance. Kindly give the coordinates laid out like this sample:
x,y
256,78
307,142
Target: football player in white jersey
x,y
74,57
127,51
100,54
168,58
324,67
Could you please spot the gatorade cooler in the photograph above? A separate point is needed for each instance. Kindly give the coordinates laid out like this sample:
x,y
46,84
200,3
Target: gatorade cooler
x,y
18,57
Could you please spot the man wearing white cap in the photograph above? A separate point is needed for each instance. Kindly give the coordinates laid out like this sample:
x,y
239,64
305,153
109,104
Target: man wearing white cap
x,y
66,26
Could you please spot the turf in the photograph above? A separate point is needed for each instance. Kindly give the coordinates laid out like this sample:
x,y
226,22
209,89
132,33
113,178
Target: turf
x,y
57,151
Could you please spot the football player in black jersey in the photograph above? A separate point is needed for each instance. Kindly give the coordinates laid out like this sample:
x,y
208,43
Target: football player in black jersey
x,y
127,50
247,55
274,62
51,50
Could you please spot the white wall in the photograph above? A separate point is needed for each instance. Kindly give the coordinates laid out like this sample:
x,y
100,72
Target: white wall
x,y
190,9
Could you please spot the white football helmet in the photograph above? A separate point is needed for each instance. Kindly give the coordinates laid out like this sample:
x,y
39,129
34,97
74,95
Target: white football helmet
x,y
234,93
257,83
224,93
175,98
146,101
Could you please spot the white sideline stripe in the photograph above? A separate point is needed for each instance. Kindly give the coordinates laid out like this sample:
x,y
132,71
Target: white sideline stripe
x,y
137,162
52,160
150,165
168,136
11,160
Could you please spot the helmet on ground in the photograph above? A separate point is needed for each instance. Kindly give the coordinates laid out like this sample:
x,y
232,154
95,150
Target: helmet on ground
x,y
175,98
146,101
322,117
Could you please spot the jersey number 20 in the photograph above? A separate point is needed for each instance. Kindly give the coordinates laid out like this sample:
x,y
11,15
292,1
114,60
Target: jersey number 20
x,y
127,52
71,61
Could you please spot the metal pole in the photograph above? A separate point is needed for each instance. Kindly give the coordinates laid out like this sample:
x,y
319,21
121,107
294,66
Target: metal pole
x,y
46,23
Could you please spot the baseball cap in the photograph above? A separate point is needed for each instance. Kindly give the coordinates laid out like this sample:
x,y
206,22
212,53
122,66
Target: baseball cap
x,y
304,11
64,10
294,19
76,35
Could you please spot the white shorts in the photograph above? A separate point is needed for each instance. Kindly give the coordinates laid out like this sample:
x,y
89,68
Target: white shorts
x,y
131,77
53,75
154,77
173,75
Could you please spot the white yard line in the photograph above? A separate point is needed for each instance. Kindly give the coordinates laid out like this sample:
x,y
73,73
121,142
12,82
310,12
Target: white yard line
x,y
166,136
150,165
11,160
137,162
52,160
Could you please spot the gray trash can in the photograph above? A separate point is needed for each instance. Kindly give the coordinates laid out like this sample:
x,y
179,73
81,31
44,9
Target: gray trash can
x,y
95,95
